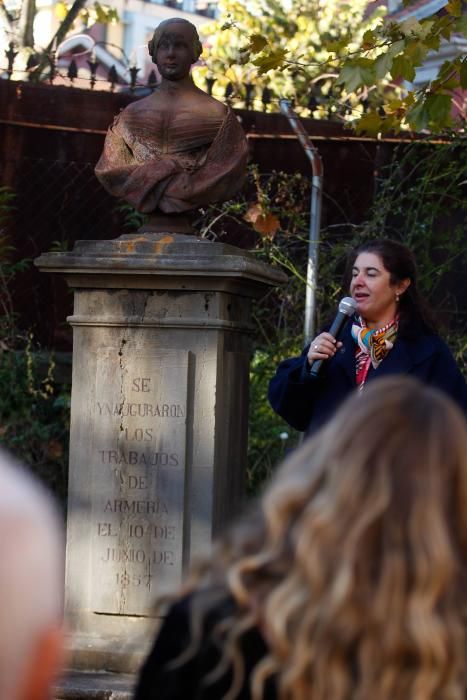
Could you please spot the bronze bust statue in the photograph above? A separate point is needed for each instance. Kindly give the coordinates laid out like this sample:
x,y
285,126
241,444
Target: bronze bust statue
x,y
177,149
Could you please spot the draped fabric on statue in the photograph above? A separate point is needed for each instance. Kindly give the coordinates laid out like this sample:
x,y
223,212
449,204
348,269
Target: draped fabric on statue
x,y
172,162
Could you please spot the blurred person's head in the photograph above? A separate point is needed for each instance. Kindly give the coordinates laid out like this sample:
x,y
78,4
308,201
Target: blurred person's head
x,y
31,586
356,572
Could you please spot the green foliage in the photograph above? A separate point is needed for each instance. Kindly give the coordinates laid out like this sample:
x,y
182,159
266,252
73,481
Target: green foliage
x,y
34,411
355,58
6,204
132,219
290,45
100,14
269,439
424,186
398,49
421,201
94,13
8,269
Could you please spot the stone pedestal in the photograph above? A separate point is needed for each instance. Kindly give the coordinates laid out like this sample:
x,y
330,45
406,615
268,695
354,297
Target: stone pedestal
x,y
159,423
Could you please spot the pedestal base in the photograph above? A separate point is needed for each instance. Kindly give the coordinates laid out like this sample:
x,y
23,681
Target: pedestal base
x,y
95,686
159,424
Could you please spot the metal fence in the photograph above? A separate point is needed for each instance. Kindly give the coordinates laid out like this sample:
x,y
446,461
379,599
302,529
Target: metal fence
x,y
60,201
50,139
248,95
91,73
55,203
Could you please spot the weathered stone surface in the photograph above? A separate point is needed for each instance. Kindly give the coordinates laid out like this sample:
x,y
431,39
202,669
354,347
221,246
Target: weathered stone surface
x,y
159,423
139,450
162,261
95,686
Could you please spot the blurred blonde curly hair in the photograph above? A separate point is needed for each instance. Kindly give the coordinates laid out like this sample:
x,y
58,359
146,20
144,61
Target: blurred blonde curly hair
x,y
354,567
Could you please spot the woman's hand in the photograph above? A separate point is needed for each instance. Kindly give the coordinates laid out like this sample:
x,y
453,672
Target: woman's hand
x,y
322,347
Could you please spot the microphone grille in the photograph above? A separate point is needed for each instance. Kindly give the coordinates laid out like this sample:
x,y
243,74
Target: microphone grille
x,y
347,306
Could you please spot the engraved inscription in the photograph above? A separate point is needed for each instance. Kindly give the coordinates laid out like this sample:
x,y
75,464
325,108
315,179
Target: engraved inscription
x,y
158,532
145,507
138,478
141,410
151,459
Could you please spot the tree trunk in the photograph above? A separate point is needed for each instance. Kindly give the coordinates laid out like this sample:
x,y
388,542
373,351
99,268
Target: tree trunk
x,y
59,35
28,13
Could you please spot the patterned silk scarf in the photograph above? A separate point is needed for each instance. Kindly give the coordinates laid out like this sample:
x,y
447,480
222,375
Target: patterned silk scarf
x,y
373,346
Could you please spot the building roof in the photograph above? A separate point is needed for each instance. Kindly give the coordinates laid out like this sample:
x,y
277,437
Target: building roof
x,y
418,9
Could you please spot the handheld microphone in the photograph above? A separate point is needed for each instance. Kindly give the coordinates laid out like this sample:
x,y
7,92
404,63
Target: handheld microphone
x,y
347,306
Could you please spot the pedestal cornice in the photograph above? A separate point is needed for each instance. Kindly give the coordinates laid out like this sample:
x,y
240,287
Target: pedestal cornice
x,y
162,261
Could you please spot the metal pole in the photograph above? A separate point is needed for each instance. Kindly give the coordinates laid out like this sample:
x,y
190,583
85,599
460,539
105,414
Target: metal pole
x,y
315,216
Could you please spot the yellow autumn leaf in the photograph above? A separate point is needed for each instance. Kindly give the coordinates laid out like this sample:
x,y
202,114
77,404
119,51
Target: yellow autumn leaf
x,y
61,11
454,8
410,26
395,107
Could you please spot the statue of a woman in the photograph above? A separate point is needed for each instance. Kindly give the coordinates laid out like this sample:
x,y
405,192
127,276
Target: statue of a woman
x,y
179,148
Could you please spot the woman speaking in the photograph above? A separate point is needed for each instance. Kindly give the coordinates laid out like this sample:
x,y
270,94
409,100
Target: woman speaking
x,y
390,333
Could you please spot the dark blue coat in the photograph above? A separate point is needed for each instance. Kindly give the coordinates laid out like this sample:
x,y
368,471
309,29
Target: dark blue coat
x,y
306,403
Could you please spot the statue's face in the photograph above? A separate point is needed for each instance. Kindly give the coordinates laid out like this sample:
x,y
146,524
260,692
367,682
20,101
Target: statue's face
x,y
175,53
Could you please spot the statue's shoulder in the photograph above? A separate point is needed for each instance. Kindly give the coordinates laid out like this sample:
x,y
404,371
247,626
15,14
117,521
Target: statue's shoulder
x,y
121,117
138,105
218,106
133,111
212,106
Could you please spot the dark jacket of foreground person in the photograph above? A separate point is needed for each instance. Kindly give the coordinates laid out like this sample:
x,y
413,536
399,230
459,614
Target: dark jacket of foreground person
x,y
193,678
307,403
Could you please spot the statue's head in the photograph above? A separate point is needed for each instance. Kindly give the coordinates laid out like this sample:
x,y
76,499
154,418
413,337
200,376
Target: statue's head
x,y
174,30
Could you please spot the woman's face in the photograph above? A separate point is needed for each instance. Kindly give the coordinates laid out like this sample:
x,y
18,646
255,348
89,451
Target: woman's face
x,y
174,54
372,290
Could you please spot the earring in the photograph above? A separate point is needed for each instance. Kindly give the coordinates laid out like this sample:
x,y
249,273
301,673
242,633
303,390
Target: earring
x,y
397,298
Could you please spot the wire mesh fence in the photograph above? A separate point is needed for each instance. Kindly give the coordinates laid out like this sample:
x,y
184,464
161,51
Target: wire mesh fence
x,y
57,202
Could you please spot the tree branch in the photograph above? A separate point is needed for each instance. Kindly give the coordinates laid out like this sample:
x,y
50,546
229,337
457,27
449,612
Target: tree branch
x,y
6,14
59,35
